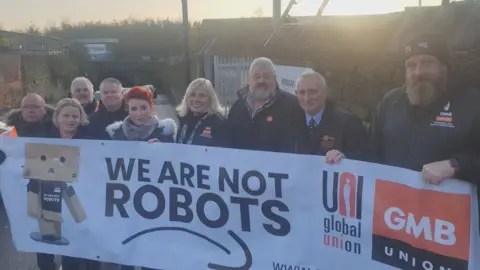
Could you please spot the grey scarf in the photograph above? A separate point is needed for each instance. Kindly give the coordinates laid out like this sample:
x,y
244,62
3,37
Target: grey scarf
x,y
139,133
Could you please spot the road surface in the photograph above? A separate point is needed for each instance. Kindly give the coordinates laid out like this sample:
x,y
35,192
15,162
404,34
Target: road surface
x,y
163,109
10,259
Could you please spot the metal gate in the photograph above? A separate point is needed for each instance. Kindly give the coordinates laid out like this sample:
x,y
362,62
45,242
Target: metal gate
x,y
230,75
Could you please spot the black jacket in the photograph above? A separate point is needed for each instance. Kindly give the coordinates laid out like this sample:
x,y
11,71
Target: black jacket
x,y
91,107
409,137
165,131
100,119
277,127
2,156
83,132
205,130
339,130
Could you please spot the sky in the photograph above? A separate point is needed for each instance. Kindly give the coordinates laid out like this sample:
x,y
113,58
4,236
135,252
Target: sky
x,y
19,14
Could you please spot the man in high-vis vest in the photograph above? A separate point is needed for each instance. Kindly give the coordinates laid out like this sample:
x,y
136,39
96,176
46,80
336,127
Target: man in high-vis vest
x,y
10,133
33,119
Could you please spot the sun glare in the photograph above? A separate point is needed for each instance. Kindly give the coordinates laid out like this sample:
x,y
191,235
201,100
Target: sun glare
x,y
349,7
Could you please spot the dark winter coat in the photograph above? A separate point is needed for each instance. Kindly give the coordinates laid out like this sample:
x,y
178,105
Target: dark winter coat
x,y
83,132
409,137
206,130
276,127
339,130
91,107
100,119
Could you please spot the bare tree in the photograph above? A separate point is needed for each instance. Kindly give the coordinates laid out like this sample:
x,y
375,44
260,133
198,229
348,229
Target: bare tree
x,y
32,29
258,12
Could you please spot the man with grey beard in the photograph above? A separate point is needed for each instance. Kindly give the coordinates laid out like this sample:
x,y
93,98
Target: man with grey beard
x,y
265,118
429,124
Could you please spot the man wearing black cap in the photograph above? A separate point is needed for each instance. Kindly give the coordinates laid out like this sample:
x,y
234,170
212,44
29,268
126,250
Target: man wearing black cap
x,y
429,125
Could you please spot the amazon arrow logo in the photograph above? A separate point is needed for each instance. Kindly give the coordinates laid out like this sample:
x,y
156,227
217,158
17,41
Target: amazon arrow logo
x,y
248,255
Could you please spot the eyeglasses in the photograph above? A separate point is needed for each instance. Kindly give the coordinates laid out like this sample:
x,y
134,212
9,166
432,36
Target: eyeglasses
x,y
31,106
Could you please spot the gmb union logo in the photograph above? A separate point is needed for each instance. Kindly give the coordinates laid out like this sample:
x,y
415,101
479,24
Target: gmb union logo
x,y
342,198
420,229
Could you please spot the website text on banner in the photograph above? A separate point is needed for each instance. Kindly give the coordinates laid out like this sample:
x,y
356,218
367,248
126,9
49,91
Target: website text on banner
x,y
179,207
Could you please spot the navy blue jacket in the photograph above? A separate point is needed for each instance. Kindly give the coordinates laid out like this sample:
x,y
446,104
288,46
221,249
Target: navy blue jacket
x,y
205,130
83,132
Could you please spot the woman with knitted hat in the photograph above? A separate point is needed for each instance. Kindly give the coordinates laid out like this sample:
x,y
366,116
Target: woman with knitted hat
x,y
141,123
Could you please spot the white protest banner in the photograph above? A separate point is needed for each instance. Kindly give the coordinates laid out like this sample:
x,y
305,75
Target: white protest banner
x,y
177,207
287,76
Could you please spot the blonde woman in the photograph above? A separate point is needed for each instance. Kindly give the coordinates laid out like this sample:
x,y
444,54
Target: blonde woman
x,y
70,122
201,116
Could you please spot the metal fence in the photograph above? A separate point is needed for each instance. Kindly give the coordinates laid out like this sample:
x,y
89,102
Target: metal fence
x,y
230,75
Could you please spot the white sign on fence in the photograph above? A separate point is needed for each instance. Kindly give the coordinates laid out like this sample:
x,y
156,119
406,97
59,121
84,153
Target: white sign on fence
x,y
287,76
178,207
96,49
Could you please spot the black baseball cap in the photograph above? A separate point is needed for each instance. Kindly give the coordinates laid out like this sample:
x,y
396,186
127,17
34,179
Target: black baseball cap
x,y
430,44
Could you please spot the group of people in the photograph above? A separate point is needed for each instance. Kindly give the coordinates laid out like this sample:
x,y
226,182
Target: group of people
x,y
429,125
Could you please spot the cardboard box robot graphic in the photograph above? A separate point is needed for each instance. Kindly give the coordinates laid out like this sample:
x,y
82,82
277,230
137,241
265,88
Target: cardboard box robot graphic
x,y
50,168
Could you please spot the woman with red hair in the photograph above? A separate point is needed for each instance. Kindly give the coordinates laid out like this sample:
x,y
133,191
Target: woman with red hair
x,y
141,123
